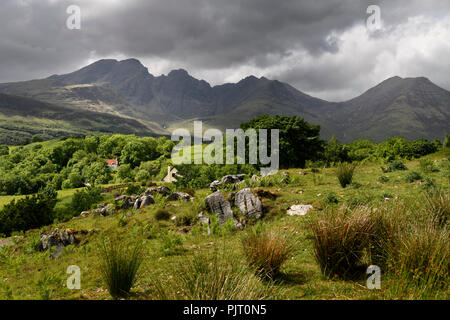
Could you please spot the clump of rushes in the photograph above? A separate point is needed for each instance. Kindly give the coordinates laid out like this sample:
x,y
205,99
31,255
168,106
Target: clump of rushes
x,y
437,207
212,277
341,238
119,266
422,255
345,173
267,251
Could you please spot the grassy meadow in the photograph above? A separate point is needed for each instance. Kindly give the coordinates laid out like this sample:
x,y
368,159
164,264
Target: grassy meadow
x,y
180,260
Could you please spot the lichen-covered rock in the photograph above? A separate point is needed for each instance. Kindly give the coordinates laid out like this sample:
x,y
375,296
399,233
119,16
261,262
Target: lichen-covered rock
x,y
59,239
249,204
217,204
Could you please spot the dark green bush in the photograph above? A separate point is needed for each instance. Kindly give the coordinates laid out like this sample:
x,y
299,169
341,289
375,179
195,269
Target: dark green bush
x,y
412,176
331,197
84,199
395,165
162,214
27,213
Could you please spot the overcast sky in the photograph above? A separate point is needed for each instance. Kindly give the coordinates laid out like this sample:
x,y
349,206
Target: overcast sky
x,y
321,47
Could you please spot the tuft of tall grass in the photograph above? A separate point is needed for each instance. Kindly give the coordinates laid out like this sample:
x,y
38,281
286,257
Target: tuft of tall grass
x,y
437,206
422,256
119,266
162,214
345,173
267,251
212,277
341,239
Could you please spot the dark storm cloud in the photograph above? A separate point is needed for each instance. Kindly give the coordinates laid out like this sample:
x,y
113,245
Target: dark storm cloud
x,y
291,40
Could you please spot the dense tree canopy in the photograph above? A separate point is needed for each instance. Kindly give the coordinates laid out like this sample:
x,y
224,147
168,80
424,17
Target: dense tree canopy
x,y
299,140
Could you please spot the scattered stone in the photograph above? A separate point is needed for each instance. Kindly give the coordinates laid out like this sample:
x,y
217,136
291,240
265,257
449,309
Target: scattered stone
x,y
249,204
302,173
179,196
255,177
299,209
217,204
154,190
146,201
104,209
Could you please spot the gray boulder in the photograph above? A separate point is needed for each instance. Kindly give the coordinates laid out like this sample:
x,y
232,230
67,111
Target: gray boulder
x,y
179,196
146,201
249,204
217,204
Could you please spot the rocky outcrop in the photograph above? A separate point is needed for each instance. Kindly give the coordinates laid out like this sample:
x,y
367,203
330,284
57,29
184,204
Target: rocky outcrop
x,y
179,196
217,204
57,240
228,179
163,190
104,209
249,204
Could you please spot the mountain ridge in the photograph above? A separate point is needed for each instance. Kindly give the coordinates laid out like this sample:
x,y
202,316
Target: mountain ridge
x,y
413,107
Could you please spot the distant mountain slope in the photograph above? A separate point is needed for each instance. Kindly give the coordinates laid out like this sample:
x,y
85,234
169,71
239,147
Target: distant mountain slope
x,y
21,118
412,107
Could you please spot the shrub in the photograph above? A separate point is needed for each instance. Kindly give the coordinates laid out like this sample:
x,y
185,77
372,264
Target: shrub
x,y
186,218
171,244
83,199
383,179
412,176
133,189
27,213
340,240
395,165
331,198
162,214
204,277
119,266
428,166
266,251
344,173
